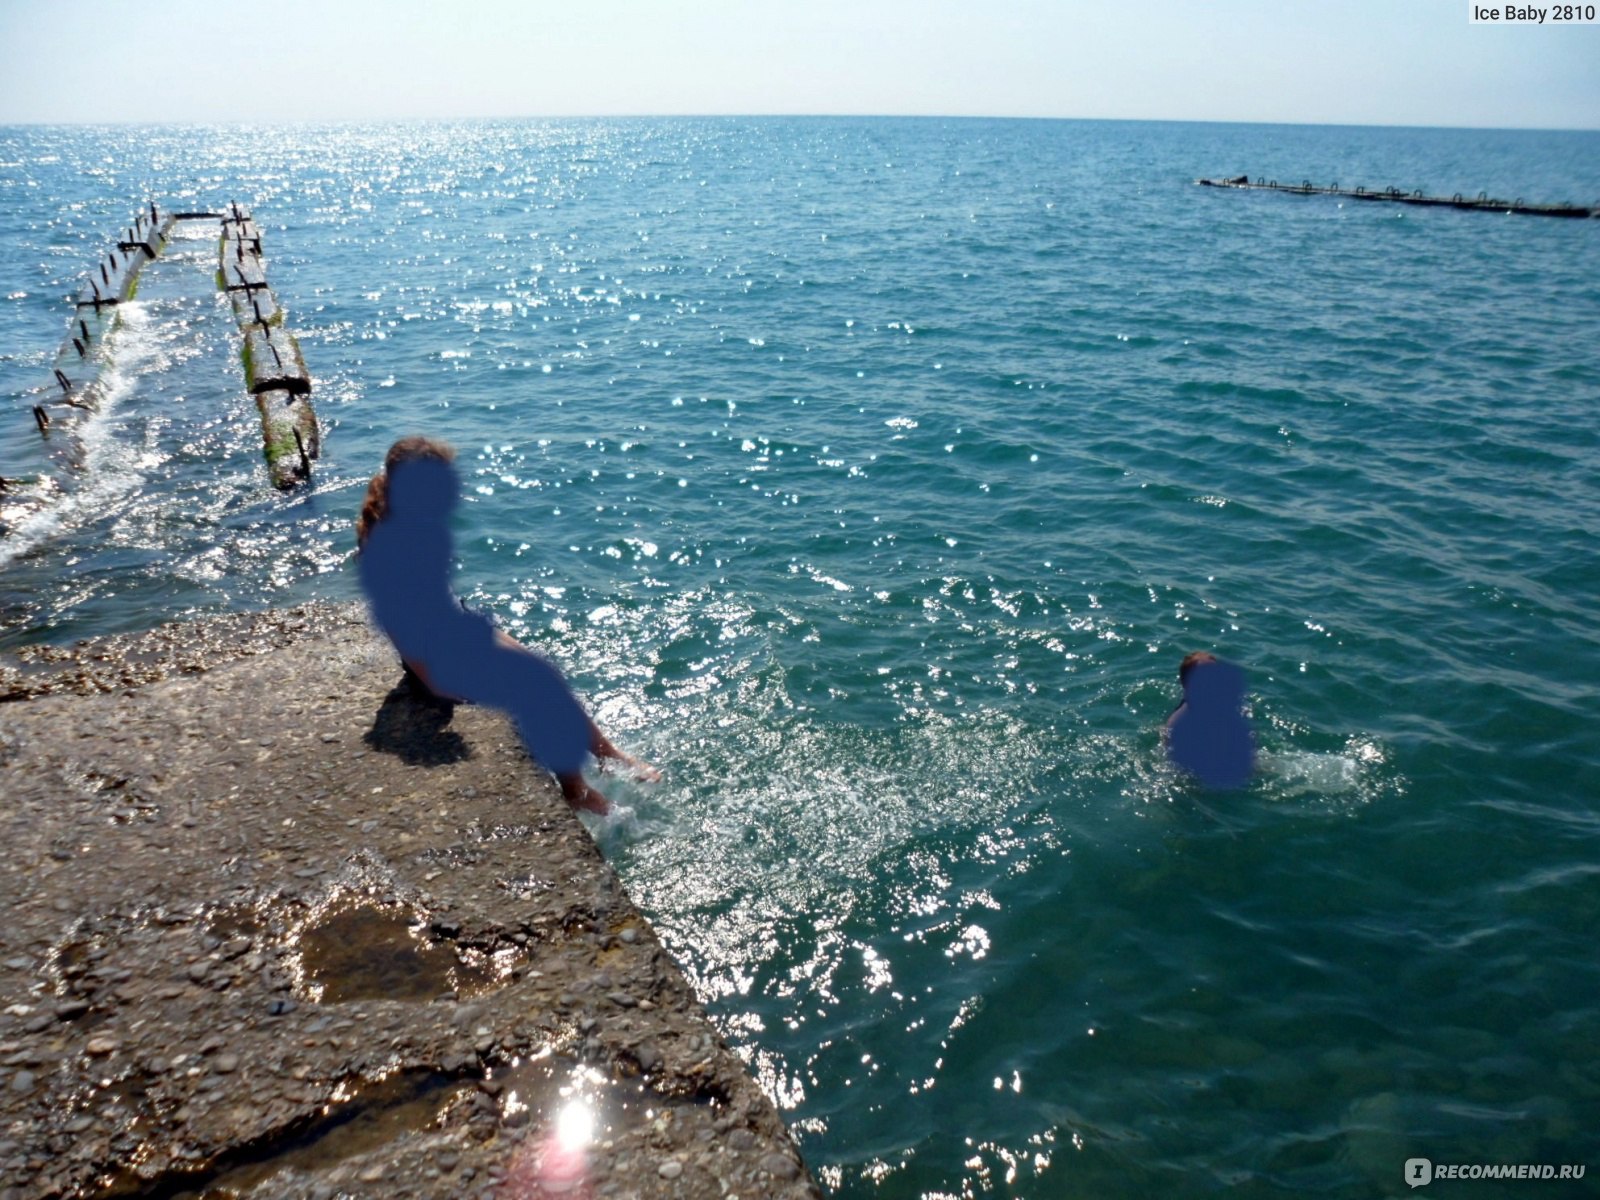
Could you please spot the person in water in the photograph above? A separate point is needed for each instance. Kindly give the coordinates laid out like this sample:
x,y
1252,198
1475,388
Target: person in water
x,y
403,538
1208,734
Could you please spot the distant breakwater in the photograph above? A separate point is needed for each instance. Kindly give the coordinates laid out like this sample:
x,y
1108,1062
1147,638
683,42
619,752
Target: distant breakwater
x,y
1482,202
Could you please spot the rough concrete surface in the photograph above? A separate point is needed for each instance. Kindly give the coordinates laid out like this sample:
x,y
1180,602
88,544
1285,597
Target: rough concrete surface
x,y
275,927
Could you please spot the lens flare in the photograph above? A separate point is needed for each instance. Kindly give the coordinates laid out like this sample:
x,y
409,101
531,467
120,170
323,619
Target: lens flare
x,y
575,1127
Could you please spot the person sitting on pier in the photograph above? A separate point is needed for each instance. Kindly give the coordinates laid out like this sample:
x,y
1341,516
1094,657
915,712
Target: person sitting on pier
x,y
403,538
1208,734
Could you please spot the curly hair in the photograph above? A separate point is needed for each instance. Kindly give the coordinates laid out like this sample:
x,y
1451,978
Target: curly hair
x,y
375,505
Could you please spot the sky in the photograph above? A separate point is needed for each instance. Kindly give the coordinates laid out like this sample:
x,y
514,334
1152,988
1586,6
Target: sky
x,y
1360,62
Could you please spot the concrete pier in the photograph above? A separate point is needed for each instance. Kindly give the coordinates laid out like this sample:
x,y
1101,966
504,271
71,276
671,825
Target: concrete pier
x,y
148,232
246,236
276,929
272,361
114,278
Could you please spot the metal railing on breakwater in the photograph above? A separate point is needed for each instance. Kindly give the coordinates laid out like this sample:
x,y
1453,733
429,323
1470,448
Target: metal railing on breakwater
x,y
1482,202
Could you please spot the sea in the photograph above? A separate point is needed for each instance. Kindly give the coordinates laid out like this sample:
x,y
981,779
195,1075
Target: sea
x,y
872,477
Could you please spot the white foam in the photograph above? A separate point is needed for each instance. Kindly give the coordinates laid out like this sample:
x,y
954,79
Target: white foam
x,y
110,468
1298,772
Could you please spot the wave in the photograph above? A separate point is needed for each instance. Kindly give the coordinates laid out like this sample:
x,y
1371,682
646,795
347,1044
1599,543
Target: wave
x,y
108,468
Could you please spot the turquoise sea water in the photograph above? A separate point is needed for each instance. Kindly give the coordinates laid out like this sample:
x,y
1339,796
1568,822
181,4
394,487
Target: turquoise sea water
x,y
872,477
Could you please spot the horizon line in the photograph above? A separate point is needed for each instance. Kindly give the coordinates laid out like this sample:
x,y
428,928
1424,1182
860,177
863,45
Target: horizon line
x,y
758,116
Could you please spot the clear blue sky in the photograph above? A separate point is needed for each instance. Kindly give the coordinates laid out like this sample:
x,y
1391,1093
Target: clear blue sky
x,y
1382,62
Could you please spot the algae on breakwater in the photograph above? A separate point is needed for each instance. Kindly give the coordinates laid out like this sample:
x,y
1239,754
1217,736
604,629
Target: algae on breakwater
x,y
270,354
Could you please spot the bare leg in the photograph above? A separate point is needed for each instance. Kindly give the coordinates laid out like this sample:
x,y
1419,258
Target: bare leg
x,y
599,744
580,794
421,672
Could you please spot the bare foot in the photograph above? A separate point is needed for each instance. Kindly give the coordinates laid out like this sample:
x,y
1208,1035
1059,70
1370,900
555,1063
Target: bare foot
x,y
641,770
578,793
604,751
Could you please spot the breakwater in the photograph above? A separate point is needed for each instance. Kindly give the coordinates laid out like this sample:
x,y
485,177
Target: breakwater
x,y
274,369
275,928
1482,202
111,281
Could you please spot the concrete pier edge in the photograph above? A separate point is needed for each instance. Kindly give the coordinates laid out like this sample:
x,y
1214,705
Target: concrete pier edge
x,y
254,888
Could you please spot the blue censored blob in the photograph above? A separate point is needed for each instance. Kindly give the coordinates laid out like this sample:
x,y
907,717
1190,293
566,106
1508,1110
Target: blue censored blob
x,y
1209,735
405,572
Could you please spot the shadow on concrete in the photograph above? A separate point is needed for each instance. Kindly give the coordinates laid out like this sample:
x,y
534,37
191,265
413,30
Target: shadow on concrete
x,y
412,725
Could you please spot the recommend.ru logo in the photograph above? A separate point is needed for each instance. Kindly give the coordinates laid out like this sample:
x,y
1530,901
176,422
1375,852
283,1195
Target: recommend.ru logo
x,y
1422,1171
